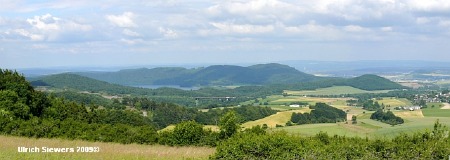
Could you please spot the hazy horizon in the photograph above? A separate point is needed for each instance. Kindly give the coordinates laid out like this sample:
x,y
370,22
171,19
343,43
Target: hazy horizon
x,y
134,33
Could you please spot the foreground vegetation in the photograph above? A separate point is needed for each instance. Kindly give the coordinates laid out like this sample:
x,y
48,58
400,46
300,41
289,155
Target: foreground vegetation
x,y
8,150
433,144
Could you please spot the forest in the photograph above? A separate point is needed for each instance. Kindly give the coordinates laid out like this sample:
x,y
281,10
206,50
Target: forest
x,y
321,113
386,117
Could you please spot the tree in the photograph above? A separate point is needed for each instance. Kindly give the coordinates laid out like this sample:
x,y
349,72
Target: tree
x,y
354,119
228,125
188,133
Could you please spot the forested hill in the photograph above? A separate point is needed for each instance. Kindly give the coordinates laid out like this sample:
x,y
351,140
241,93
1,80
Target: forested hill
x,y
372,82
213,75
81,83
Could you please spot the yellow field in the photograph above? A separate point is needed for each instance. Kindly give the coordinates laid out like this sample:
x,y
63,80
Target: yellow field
x,y
409,114
394,102
9,150
279,118
311,100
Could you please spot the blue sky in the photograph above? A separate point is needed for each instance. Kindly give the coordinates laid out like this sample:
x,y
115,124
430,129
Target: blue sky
x,y
120,33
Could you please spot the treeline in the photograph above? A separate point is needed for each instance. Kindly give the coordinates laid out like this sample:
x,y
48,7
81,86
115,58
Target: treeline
x,y
321,113
83,98
280,145
386,117
367,104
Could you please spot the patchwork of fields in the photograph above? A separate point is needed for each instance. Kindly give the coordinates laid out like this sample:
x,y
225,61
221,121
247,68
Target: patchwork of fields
x,y
415,121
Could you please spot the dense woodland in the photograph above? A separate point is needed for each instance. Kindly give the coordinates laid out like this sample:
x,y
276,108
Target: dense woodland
x,y
321,113
386,117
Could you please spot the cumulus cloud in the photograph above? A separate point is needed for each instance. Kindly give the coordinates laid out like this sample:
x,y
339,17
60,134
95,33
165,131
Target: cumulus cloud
x,y
24,33
168,33
46,27
124,20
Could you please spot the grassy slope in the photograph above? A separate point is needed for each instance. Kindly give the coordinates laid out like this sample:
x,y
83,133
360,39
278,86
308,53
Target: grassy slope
x,y
335,90
8,150
436,111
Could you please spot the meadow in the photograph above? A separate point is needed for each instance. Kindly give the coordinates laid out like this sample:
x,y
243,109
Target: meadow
x,y
394,102
436,111
9,150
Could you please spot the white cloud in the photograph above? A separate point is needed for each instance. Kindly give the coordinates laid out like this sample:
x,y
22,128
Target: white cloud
x,y
429,5
130,33
46,22
46,28
256,10
355,28
387,29
125,20
313,31
242,28
168,33
25,33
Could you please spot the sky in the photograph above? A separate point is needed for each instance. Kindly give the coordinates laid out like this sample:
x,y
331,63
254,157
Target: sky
x,y
44,33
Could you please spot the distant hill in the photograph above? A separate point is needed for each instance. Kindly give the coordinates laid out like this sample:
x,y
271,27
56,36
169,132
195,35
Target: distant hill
x,y
141,76
213,75
277,77
372,82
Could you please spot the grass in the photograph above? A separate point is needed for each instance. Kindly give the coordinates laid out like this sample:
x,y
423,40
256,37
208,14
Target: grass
x,y
279,118
367,128
395,102
335,90
330,128
435,111
9,145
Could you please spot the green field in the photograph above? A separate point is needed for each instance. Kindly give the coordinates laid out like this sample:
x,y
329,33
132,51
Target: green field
x,y
435,111
9,145
367,128
335,90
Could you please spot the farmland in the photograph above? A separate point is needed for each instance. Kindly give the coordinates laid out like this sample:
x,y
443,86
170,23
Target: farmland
x,y
439,110
394,102
415,121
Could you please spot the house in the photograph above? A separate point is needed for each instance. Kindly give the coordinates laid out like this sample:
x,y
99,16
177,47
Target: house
x,y
294,105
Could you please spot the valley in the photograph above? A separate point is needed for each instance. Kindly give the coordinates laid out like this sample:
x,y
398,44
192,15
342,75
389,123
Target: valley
x,y
163,117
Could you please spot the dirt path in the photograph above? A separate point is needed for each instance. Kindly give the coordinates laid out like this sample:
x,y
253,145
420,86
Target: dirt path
x,y
446,106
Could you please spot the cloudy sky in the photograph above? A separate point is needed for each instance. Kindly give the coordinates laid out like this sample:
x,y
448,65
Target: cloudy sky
x,y
119,33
